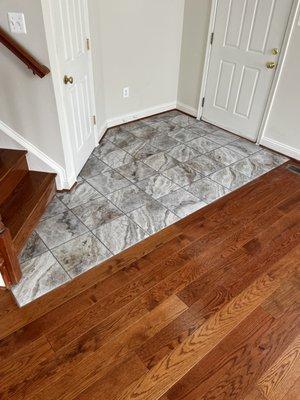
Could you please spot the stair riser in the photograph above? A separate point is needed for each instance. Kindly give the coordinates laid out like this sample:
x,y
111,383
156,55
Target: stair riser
x,y
10,181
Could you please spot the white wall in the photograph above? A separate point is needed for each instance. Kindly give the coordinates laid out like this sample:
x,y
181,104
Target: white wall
x,y
27,103
141,42
195,29
282,131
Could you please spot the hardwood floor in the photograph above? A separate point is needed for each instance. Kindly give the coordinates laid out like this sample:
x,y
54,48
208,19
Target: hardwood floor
x,y
208,309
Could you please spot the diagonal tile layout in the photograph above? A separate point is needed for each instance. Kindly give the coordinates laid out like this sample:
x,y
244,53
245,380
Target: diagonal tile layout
x,y
143,176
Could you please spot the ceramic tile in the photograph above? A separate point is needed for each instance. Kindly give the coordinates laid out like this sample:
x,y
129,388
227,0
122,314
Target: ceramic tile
x,y
183,135
128,142
55,207
251,168
163,127
59,229
80,194
204,165
34,247
120,234
145,151
118,135
230,178
268,159
161,161
207,190
96,212
144,131
157,186
183,153
222,137
182,203
108,182
136,171
93,167
163,142
81,254
104,148
129,198
225,156
182,174
135,125
40,275
205,126
163,117
203,145
153,217
244,147
112,155
183,120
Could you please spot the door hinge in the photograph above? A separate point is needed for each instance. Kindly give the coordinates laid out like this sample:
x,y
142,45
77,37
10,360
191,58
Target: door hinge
x,y
212,35
94,120
88,44
203,101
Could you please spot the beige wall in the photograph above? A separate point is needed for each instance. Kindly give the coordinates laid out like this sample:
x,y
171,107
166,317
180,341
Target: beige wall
x,y
27,103
141,42
195,29
283,124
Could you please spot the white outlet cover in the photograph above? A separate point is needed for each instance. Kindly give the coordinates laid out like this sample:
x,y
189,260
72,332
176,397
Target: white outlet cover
x,y
17,22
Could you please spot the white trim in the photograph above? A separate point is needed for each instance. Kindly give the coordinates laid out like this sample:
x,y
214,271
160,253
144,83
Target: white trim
x,y
187,109
211,27
50,165
102,131
281,148
140,114
273,91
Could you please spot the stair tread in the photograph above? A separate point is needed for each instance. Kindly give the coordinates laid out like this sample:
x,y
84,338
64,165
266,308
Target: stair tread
x,y
22,202
8,159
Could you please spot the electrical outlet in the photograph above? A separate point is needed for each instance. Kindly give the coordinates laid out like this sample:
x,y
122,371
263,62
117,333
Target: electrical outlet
x,y
16,22
126,92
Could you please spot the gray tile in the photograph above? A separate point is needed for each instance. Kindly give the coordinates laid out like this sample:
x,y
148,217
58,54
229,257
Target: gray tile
x,y
108,182
183,153
136,171
59,229
120,234
143,131
183,135
163,127
145,151
182,174
244,147
222,137
163,117
157,186
97,212
207,190
34,247
153,217
40,275
104,148
161,161
268,159
134,125
230,178
80,194
93,167
183,120
225,156
203,145
251,168
112,155
55,207
127,141
163,142
205,126
81,254
204,165
182,203
129,198
118,134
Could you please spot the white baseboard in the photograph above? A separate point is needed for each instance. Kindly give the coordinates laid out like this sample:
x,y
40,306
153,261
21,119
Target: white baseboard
x,y
37,160
280,147
187,109
102,131
140,114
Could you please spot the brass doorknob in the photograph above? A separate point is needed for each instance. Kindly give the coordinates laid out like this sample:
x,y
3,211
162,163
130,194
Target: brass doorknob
x,y
271,65
68,79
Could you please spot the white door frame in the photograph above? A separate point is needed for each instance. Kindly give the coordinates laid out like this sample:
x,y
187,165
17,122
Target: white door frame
x,y
58,85
283,53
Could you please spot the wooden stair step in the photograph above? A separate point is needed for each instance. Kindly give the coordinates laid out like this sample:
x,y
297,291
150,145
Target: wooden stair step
x,y
26,204
13,167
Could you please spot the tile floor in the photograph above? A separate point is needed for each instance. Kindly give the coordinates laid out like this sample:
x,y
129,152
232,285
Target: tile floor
x,y
141,178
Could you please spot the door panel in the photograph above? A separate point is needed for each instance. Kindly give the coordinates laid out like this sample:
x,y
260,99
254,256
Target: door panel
x,y
72,31
238,81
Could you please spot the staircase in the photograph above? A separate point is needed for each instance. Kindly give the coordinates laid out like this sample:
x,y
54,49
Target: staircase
x,y
24,196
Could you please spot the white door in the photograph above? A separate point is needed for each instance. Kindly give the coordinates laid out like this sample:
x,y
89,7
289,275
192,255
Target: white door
x,y
247,34
72,40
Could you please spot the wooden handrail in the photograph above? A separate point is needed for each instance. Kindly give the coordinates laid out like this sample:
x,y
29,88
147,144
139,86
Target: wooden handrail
x,y
19,51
